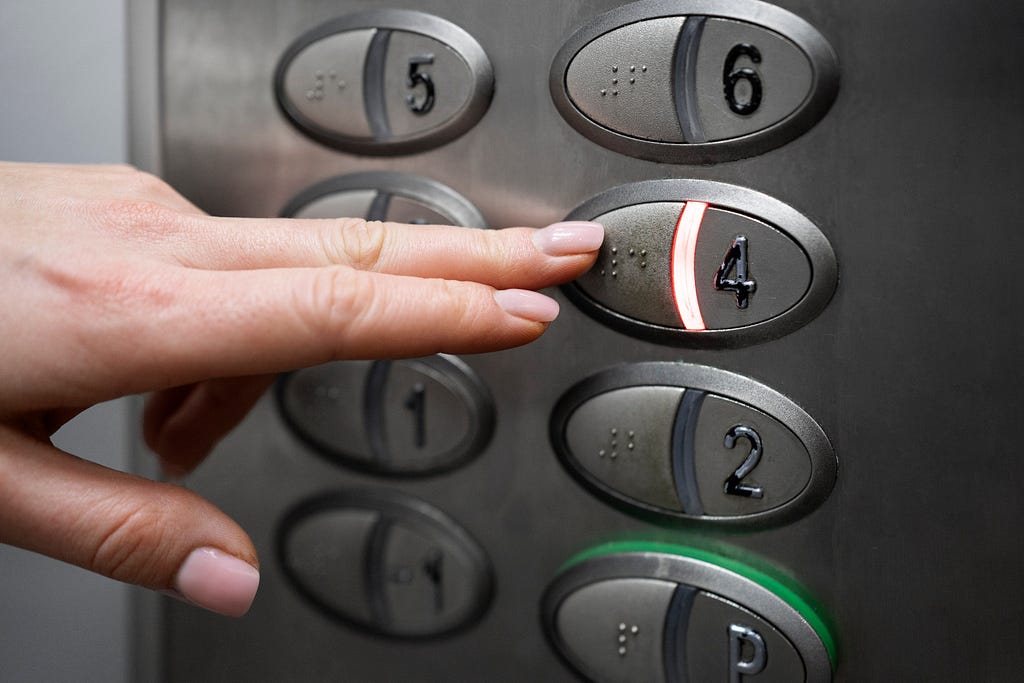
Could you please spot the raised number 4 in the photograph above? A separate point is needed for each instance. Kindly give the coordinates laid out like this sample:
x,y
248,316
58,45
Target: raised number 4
x,y
743,285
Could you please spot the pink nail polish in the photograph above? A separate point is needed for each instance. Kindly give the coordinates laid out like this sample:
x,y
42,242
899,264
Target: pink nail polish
x,y
217,581
526,304
571,237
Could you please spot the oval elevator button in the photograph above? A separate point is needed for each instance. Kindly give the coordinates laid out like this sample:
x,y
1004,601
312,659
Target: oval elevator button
x,y
702,263
385,562
692,442
657,612
691,81
405,417
385,196
384,82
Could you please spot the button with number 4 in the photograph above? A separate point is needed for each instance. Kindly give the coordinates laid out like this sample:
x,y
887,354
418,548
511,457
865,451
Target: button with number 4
x,y
701,263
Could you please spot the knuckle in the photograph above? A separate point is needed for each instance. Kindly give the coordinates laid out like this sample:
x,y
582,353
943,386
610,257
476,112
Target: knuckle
x,y
500,254
131,537
139,217
356,242
334,301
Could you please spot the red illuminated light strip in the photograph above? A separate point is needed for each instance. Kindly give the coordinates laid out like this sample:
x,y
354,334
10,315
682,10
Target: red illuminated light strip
x,y
684,266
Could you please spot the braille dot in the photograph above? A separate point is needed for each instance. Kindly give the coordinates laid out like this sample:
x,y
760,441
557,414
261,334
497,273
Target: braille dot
x,y
632,69
643,264
614,274
310,94
635,630
602,271
632,252
643,68
615,92
629,446
615,262
319,74
604,93
632,80
614,431
601,452
615,69
615,81
615,443
622,627
631,433
643,252
622,652
615,250
622,639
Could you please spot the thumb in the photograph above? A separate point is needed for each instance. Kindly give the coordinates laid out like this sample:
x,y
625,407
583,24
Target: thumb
x,y
131,529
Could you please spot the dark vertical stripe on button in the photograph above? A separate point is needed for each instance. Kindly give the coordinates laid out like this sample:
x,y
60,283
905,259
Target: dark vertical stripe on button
x,y
677,622
684,461
373,85
373,409
684,79
375,577
378,210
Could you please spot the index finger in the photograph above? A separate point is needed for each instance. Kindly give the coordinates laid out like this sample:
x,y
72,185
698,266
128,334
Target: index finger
x,y
512,257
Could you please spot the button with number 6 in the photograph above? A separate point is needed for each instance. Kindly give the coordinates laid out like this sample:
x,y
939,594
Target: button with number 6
x,y
693,442
702,263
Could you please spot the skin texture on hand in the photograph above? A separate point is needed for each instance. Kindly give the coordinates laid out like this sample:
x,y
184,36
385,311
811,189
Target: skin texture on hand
x,y
114,285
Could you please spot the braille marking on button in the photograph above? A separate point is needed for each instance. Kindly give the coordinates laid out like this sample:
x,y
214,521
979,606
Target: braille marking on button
x,y
684,249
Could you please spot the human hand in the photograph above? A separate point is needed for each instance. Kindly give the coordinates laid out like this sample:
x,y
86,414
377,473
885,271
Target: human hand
x,y
114,285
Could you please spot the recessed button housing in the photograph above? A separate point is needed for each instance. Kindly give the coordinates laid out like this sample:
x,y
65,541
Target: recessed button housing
x,y
385,196
386,563
701,263
692,442
403,417
669,614
384,82
696,81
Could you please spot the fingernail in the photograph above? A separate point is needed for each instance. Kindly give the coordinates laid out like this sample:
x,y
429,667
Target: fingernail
x,y
219,582
571,237
526,304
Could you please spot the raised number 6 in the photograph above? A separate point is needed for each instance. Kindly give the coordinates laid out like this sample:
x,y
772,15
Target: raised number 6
x,y
731,77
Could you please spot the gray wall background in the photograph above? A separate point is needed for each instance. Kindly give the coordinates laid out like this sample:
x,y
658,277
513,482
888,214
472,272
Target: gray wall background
x,y
62,75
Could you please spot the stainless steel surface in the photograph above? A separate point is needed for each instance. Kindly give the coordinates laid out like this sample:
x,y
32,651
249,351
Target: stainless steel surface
x,y
911,369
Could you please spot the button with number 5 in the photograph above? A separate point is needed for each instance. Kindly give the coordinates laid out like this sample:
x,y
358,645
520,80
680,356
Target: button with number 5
x,y
702,263
384,82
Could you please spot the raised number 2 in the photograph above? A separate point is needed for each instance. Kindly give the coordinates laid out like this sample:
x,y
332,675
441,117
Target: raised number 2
x,y
733,485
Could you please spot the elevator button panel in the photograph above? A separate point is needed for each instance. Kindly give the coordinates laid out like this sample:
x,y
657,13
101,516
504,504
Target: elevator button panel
x,y
702,263
669,614
384,82
692,442
403,417
697,81
385,196
386,563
